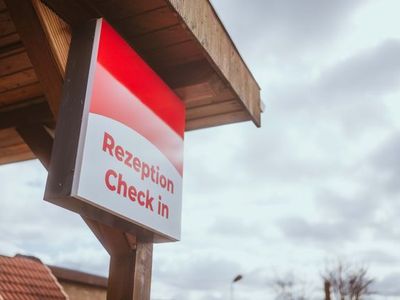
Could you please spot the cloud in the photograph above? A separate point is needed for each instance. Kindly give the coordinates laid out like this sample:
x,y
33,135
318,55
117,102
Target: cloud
x,y
370,72
324,233
377,257
33,226
356,209
234,227
389,285
200,272
385,164
350,92
285,27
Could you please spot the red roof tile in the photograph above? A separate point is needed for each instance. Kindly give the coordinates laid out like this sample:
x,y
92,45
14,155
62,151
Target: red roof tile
x,y
23,278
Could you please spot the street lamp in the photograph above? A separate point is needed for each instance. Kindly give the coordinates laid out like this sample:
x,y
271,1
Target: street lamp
x,y
236,279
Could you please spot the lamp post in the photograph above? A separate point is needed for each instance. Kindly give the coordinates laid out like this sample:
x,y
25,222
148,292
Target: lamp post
x,y
236,279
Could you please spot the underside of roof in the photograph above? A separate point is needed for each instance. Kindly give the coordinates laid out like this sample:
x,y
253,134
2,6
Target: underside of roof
x,y
183,41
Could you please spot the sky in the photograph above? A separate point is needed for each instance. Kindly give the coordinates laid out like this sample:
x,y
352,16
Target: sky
x,y
317,183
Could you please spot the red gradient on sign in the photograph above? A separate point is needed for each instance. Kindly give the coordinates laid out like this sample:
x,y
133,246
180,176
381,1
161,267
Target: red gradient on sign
x,y
128,68
113,100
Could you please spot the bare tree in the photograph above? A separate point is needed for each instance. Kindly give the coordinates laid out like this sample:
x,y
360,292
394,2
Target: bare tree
x,y
288,288
348,282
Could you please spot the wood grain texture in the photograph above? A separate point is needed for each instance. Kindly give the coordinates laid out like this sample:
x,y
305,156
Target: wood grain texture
x,y
14,62
73,12
6,25
22,93
12,147
130,263
58,34
39,50
17,80
39,140
173,36
9,40
122,9
204,23
2,5
33,113
217,120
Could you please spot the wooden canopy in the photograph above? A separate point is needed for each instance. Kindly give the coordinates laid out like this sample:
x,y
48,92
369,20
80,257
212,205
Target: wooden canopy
x,y
183,41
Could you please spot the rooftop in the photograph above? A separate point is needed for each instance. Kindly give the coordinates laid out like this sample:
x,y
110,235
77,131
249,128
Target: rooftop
x,y
27,278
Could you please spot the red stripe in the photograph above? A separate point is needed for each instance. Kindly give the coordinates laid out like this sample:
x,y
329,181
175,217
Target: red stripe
x,y
113,100
129,69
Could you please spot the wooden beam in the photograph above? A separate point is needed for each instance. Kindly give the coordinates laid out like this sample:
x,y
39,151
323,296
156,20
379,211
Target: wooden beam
x,y
12,147
39,141
187,74
14,62
131,260
27,115
20,94
210,33
71,11
39,51
213,109
58,34
216,120
15,80
130,263
6,25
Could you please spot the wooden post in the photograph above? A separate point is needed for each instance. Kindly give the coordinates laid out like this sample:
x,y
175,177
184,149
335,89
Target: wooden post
x,y
130,259
130,263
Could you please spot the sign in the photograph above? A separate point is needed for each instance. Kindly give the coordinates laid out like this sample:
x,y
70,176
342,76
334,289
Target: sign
x,y
118,152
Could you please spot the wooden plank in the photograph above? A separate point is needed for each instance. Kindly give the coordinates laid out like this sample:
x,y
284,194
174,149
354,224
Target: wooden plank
x,y
38,49
9,137
12,147
162,38
177,54
121,277
14,63
58,34
21,93
16,80
225,95
130,263
37,113
72,12
149,22
6,24
39,140
15,153
213,109
2,6
11,49
195,92
217,120
205,25
143,270
187,74
120,9
9,39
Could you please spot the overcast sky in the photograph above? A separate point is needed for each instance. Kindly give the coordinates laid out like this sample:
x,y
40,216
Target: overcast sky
x,y
319,181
